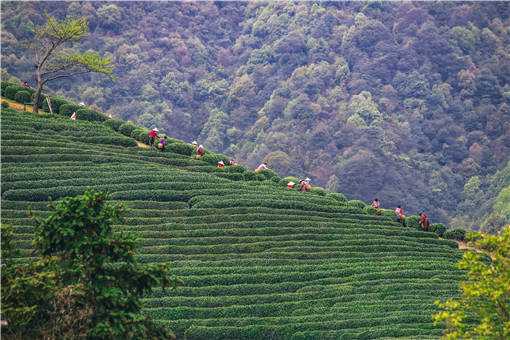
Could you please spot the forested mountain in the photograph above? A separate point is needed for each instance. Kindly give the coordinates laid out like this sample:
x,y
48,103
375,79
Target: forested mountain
x,y
408,102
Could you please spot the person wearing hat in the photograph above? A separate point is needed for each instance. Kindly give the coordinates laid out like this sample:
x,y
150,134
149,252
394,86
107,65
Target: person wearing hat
x,y
194,144
74,116
200,151
162,144
304,185
290,185
220,165
153,134
262,167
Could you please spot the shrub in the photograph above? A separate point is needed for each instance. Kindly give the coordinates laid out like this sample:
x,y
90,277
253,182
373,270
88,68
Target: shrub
x,y
214,158
141,134
114,123
268,174
438,228
127,128
56,103
181,148
23,97
5,105
288,179
318,191
413,222
90,115
357,204
387,212
11,90
337,196
5,85
455,234
68,109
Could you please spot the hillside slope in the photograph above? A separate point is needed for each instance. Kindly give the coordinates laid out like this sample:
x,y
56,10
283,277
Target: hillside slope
x,y
404,101
258,261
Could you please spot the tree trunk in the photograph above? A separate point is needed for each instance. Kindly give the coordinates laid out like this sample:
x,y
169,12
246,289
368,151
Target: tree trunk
x,y
38,91
37,97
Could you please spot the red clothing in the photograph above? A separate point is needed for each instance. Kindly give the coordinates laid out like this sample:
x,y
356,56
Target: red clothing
x,y
375,205
153,134
200,151
424,220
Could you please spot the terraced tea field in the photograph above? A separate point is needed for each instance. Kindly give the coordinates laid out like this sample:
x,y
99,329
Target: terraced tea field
x,y
258,261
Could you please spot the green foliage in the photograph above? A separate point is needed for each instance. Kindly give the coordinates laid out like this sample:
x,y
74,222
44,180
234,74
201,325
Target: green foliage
x,y
337,196
68,109
114,123
90,115
438,228
483,309
11,90
66,30
23,97
127,128
288,179
90,61
4,86
455,234
140,134
101,267
56,104
356,88
357,204
182,148
413,222
28,290
318,191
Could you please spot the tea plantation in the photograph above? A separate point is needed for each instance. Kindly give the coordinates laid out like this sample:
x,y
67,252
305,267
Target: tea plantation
x,y
258,261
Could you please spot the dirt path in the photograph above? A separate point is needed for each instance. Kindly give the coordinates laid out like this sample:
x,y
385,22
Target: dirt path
x,y
17,106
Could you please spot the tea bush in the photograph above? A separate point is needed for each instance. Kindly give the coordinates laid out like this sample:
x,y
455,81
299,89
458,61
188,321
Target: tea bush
x,y
127,128
90,115
257,260
56,103
455,234
68,109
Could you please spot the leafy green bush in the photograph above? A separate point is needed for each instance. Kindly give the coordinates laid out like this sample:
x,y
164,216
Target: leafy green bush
x,y
455,234
214,158
181,148
318,191
114,123
56,103
268,174
90,115
5,85
438,228
11,90
356,204
23,97
141,134
68,109
127,128
288,179
337,196
413,222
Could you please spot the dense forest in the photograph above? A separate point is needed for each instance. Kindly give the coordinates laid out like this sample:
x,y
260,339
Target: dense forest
x,y
408,102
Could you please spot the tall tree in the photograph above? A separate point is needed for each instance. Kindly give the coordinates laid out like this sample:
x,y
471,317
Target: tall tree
x,y
53,61
483,309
